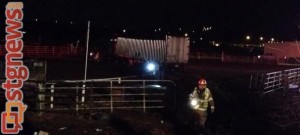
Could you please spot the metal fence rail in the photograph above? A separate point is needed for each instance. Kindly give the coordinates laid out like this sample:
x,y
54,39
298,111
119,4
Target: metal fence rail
x,y
281,97
293,75
106,94
273,81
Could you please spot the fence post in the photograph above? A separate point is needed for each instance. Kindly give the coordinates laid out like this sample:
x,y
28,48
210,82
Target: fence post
x,y
91,100
144,94
77,100
285,82
111,97
52,94
83,93
250,84
41,98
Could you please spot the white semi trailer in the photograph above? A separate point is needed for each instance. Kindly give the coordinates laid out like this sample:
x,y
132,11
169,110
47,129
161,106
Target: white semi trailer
x,y
171,53
170,50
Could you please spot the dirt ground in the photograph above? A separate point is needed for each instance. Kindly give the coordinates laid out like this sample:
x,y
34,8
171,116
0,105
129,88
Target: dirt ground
x,y
118,123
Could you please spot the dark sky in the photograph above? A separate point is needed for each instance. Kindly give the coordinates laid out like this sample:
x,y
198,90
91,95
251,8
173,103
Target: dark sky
x,y
229,17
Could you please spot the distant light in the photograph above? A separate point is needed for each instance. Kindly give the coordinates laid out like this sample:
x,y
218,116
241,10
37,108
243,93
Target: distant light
x,y
217,44
285,57
124,30
55,21
24,32
248,37
179,29
207,28
261,38
159,29
91,54
36,19
193,31
201,38
155,30
258,56
272,39
186,34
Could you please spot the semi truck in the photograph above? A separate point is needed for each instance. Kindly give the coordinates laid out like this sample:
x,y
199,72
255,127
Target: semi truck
x,y
155,56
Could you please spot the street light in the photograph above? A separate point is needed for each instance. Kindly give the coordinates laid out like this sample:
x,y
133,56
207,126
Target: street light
x,y
272,40
261,38
248,37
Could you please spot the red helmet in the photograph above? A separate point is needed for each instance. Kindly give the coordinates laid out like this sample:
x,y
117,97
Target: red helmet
x,y
202,82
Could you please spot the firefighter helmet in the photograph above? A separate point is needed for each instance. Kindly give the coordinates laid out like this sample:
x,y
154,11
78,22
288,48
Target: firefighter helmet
x,y
202,82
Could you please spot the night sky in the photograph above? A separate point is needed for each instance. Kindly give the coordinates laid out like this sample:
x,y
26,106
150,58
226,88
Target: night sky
x,y
230,19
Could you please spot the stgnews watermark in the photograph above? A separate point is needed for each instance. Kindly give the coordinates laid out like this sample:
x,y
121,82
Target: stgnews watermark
x,y
15,72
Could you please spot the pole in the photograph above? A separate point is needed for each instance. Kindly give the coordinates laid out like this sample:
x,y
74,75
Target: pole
x,y
87,49
86,60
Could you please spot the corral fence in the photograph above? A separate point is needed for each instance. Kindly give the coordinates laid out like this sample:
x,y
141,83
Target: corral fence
x,y
104,95
48,51
279,94
258,59
279,80
223,57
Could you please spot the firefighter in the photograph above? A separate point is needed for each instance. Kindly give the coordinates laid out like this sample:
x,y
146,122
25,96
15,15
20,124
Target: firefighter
x,y
201,99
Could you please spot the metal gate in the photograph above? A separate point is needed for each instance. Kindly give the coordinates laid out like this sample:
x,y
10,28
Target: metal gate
x,y
104,94
280,93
